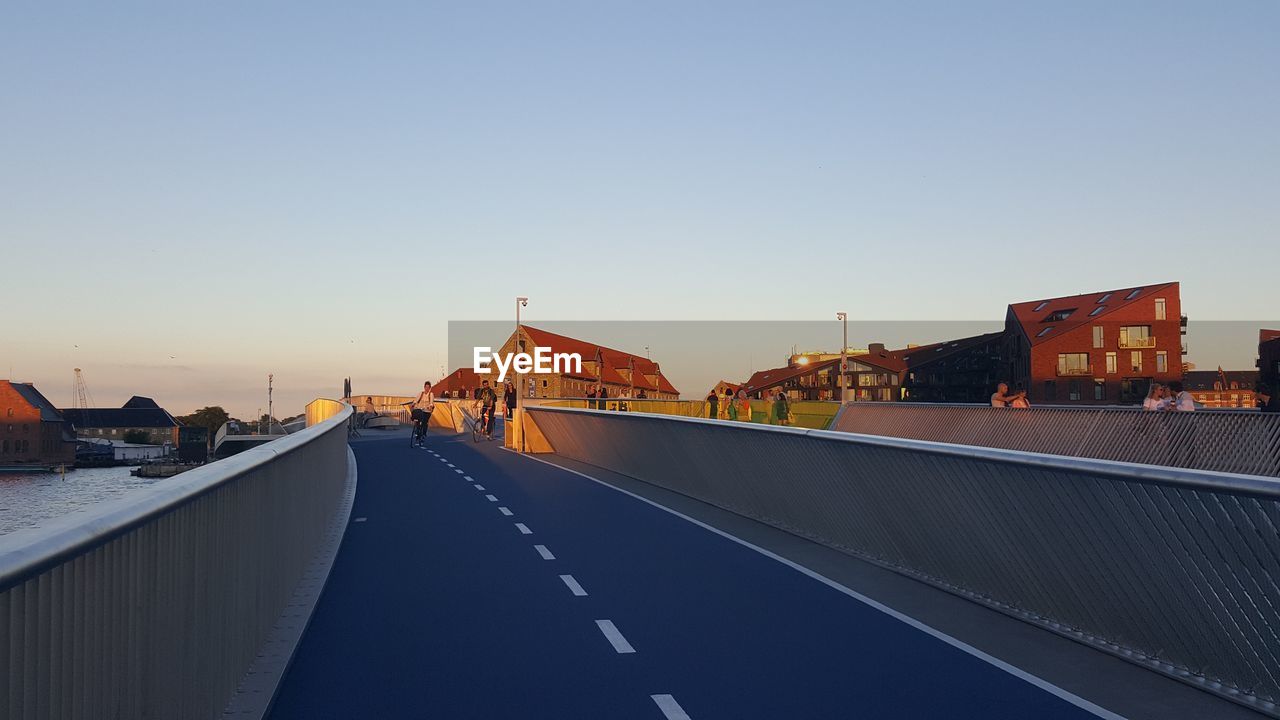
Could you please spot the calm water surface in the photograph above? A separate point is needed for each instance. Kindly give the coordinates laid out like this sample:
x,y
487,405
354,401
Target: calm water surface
x,y
27,498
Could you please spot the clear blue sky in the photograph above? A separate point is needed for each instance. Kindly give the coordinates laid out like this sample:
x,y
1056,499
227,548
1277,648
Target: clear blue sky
x,y
196,194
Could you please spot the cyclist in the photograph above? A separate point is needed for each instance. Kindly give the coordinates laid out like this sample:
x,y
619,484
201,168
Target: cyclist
x,y
487,399
423,405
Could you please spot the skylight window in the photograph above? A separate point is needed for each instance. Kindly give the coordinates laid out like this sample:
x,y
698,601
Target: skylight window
x,y
1045,331
1105,298
1136,292
1098,309
1041,306
1057,315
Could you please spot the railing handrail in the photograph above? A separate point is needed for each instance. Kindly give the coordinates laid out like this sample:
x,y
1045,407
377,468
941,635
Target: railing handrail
x,y
29,552
1158,474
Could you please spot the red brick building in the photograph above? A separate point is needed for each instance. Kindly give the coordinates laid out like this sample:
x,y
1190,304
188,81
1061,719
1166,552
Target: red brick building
x,y
32,431
1222,388
873,376
1098,348
623,374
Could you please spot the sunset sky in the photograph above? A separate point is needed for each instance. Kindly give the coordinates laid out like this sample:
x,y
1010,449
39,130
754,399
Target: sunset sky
x,y
193,196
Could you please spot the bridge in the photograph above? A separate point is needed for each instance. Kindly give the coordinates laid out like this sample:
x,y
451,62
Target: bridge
x,y
637,565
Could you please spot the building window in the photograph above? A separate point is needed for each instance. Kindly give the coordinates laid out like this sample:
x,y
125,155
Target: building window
x,y
1104,298
1111,363
1160,309
1097,336
1136,336
1041,306
1135,360
1073,390
1099,389
1073,363
1098,310
1058,315
1045,331
1050,390
1135,293
1162,361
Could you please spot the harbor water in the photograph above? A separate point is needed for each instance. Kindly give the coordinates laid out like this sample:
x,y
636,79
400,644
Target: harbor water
x,y
29,498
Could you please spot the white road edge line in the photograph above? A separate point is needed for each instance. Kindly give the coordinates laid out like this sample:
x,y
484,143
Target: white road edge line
x,y
490,498
505,511
901,617
670,708
524,529
574,587
544,552
614,637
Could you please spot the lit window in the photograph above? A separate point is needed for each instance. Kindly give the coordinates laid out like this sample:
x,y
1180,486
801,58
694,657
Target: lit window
x,y
1111,363
1045,331
1041,306
1103,299
1073,363
1160,308
1098,310
1136,292
1097,336
1162,361
1135,360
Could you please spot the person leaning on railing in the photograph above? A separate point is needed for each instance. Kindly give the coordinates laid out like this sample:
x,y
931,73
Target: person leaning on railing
x,y
1266,400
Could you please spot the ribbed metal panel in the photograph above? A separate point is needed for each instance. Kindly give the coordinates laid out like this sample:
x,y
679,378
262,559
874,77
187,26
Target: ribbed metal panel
x,y
155,606
1176,570
1236,442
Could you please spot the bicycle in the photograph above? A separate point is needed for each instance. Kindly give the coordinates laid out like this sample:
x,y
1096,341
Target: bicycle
x,y
480,426
418,437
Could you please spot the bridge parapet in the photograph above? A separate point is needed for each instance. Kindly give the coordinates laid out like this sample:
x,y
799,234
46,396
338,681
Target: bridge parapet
x,y
1172,569
156,605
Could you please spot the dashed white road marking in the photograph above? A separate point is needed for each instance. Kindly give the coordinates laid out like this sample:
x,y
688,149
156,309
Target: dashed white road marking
x,y
614,637
574,587
544,552
451,465
670,708
479,487
490,498
505,511
360,519
457,471
468,478
524,529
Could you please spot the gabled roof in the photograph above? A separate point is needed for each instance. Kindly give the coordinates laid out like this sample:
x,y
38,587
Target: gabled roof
x,y
774,376
1043,320
924,354
611,360
138,402
119,418
463,377
29,393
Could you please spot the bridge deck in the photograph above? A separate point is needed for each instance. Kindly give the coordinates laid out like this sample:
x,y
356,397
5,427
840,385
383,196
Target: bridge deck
x,y
441,605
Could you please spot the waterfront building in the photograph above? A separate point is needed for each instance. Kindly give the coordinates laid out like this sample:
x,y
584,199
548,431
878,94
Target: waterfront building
x,y
1269,359
1098,348
623,374
140,418
1222,388
873,376
32,431
966,370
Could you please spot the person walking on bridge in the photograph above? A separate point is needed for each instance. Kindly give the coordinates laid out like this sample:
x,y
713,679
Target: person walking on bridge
x,y
782,407
713,405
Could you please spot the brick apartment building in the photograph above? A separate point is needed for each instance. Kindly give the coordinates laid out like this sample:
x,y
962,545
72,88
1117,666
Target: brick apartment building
x,y
1269,359
873,376
32,431
1098,348
1222,388
621,373
958,371
139,416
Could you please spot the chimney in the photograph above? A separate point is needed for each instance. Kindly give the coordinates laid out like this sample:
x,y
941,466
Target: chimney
x,y
874,348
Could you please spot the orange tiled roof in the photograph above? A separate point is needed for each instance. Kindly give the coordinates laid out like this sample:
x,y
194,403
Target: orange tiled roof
x,y
611,360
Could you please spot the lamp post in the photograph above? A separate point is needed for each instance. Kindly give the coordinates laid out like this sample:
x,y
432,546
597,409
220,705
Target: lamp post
x,y
844,357
517,417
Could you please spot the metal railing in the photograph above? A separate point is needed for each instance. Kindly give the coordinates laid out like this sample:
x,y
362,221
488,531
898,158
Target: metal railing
x,y
816,414
1138,343
1237,442
154,606
1175,570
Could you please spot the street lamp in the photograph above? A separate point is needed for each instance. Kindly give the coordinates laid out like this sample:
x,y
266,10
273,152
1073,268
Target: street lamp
x,y
517,417
844,358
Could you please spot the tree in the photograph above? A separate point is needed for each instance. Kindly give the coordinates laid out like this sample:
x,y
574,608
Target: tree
x,y
212,417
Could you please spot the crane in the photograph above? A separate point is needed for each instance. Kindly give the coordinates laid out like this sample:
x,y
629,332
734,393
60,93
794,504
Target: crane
x,y
82,398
